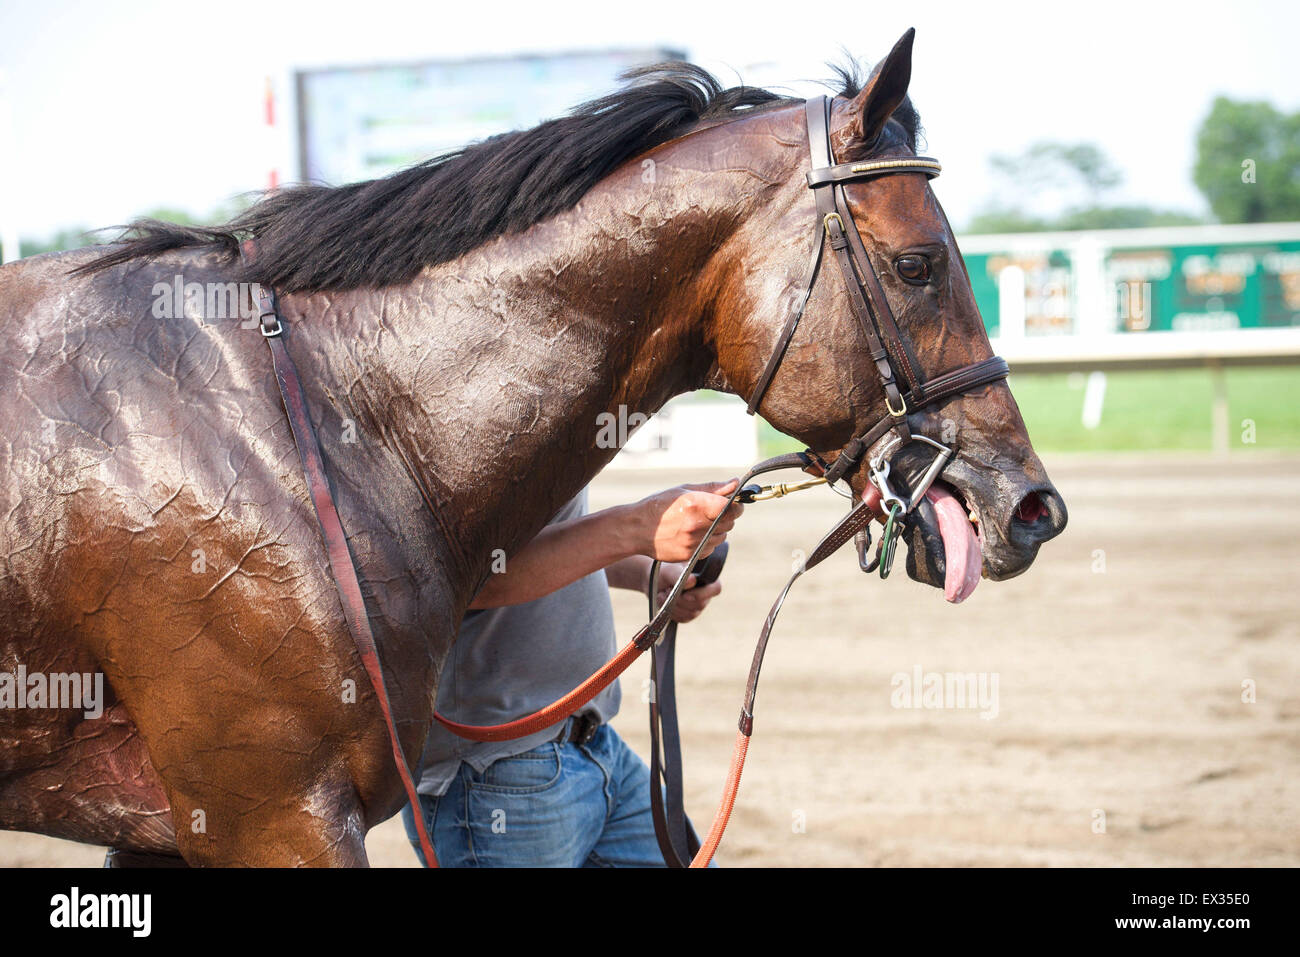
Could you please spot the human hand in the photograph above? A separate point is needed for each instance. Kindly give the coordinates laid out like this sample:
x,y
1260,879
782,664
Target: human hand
x,y
692,600
676,520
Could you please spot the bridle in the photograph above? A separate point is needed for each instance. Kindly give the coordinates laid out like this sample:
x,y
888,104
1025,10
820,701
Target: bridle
x,y
869,305
880,500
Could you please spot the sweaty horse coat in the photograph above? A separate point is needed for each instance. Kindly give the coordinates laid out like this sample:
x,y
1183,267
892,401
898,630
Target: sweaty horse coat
x,y
155,522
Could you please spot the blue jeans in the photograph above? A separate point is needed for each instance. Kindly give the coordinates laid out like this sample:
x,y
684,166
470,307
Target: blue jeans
x,y
558,805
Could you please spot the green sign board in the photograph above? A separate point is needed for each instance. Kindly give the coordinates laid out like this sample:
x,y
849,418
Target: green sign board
x,y
1188,280
1048,280
1207,287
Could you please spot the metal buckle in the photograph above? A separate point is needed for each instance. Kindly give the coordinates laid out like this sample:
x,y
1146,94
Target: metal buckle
x,y
826,222
266,303
896,413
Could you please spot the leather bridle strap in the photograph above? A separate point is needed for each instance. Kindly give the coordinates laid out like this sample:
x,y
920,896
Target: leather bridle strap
x,y
950,383
856,520
792,323
833,211
678,841
336,542
886,347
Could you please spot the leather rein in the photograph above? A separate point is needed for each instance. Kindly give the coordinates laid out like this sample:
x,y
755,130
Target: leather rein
x,y
902,395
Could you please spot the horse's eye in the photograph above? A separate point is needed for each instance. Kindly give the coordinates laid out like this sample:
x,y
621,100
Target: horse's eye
x,y
913,269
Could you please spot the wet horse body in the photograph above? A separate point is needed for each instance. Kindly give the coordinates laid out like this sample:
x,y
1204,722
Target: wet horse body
x,y
156,526
169,439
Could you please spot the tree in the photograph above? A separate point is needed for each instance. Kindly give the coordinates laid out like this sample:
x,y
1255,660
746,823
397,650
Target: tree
x,y
1061,186
63,239
1066,167
76,238
1248,161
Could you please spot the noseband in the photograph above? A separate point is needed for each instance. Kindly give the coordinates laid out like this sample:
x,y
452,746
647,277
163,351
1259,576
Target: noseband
x,y
867,299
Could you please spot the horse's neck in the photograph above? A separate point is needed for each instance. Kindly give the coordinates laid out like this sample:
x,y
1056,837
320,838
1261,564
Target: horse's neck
x,y
494,375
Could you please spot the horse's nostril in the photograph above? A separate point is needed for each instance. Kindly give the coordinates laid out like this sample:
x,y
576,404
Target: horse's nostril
x,y
1040,515
1031,508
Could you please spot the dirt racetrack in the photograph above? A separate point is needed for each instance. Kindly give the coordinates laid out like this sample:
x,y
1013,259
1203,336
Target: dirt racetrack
x,y
1120,660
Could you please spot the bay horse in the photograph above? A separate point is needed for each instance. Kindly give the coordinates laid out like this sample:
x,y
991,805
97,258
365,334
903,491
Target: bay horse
x,y
462,328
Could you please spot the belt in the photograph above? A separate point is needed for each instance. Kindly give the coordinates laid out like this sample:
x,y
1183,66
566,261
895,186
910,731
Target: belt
x,y
579,729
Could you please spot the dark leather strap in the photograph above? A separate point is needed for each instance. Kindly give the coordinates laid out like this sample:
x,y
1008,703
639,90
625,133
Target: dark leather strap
x,y
936,390
336,543
792,323
831,542
677,839
876,299
678,842
832,207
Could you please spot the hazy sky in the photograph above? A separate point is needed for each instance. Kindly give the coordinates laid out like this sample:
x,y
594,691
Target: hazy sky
x,y
119,107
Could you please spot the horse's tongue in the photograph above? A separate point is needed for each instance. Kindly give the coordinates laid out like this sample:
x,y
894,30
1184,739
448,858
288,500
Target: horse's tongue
x,y
963,560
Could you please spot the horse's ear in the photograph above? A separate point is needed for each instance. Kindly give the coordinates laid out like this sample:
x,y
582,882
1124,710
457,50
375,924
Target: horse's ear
x,y
881,94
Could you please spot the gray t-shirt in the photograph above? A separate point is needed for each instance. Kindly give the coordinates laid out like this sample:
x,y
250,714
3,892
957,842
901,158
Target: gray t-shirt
x,y
508,662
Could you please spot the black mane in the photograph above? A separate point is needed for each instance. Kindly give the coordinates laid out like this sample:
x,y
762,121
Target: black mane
x,y
384,231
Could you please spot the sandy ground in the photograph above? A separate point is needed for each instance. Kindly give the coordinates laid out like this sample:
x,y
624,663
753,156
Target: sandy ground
x,y
1120,659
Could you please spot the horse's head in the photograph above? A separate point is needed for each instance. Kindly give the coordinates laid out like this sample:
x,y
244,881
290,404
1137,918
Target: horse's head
x,y
991,505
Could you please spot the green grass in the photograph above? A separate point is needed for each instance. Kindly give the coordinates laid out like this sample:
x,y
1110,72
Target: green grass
x,y
1146,411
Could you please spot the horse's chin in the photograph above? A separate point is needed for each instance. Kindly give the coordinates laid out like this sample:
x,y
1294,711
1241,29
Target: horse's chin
x,y
925,554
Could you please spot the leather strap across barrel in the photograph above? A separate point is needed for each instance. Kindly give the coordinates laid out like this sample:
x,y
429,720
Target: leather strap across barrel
x,y
867,300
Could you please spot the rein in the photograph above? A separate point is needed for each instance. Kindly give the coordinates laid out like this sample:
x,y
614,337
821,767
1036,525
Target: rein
x,y
876,322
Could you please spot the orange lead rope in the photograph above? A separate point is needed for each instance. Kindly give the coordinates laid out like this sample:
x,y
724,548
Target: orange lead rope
x,y
714,837
558,710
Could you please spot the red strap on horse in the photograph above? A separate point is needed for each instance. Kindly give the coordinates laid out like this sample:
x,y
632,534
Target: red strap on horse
x,y
336,542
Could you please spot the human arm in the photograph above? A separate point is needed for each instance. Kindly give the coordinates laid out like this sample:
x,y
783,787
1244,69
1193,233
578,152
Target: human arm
x,y
667,525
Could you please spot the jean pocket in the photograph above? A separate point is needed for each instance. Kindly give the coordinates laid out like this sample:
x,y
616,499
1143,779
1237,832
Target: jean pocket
x,y
526,773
